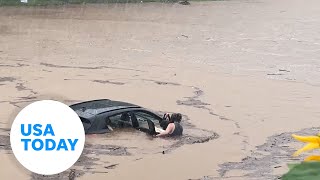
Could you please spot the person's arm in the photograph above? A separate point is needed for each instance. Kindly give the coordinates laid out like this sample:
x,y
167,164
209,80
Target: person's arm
x,y
167,131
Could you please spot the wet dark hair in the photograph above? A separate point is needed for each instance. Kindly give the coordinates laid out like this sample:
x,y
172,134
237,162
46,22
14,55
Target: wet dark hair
x,y
176,117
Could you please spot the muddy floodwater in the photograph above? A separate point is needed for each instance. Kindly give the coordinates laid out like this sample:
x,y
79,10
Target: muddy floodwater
x,y
245,74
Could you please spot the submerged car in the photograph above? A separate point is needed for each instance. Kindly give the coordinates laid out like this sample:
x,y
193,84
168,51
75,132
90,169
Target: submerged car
x,y
101,116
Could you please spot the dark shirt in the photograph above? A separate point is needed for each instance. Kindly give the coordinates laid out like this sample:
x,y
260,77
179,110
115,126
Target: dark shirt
x,y
177,130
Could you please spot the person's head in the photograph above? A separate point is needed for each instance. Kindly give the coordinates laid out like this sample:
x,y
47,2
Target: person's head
x,y
176,117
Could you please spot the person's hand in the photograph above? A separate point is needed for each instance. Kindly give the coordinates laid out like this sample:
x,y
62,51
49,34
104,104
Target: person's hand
x,y
167,115
154,136
164,116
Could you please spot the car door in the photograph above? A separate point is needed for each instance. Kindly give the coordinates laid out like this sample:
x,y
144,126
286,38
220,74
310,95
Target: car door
x,y
143,117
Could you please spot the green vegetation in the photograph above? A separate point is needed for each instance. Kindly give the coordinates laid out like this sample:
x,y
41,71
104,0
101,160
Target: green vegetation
x,y
61,2
303,171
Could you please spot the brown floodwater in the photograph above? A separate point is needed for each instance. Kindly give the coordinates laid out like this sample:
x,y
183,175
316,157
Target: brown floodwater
x,y
241,72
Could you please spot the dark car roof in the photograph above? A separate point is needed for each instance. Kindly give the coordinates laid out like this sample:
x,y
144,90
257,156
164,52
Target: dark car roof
x,y
89,109
93,114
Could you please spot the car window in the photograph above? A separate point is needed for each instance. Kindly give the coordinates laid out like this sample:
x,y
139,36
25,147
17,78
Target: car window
x,y
142,119
119,120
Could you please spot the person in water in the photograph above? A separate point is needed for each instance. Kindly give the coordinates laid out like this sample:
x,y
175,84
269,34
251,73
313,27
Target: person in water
x,y
171,125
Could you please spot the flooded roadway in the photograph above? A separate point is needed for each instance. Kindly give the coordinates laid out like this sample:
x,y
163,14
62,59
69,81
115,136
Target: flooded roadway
x,y
217,62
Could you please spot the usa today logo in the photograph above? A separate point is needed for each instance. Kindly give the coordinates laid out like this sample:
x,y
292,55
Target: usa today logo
x,y
47,137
